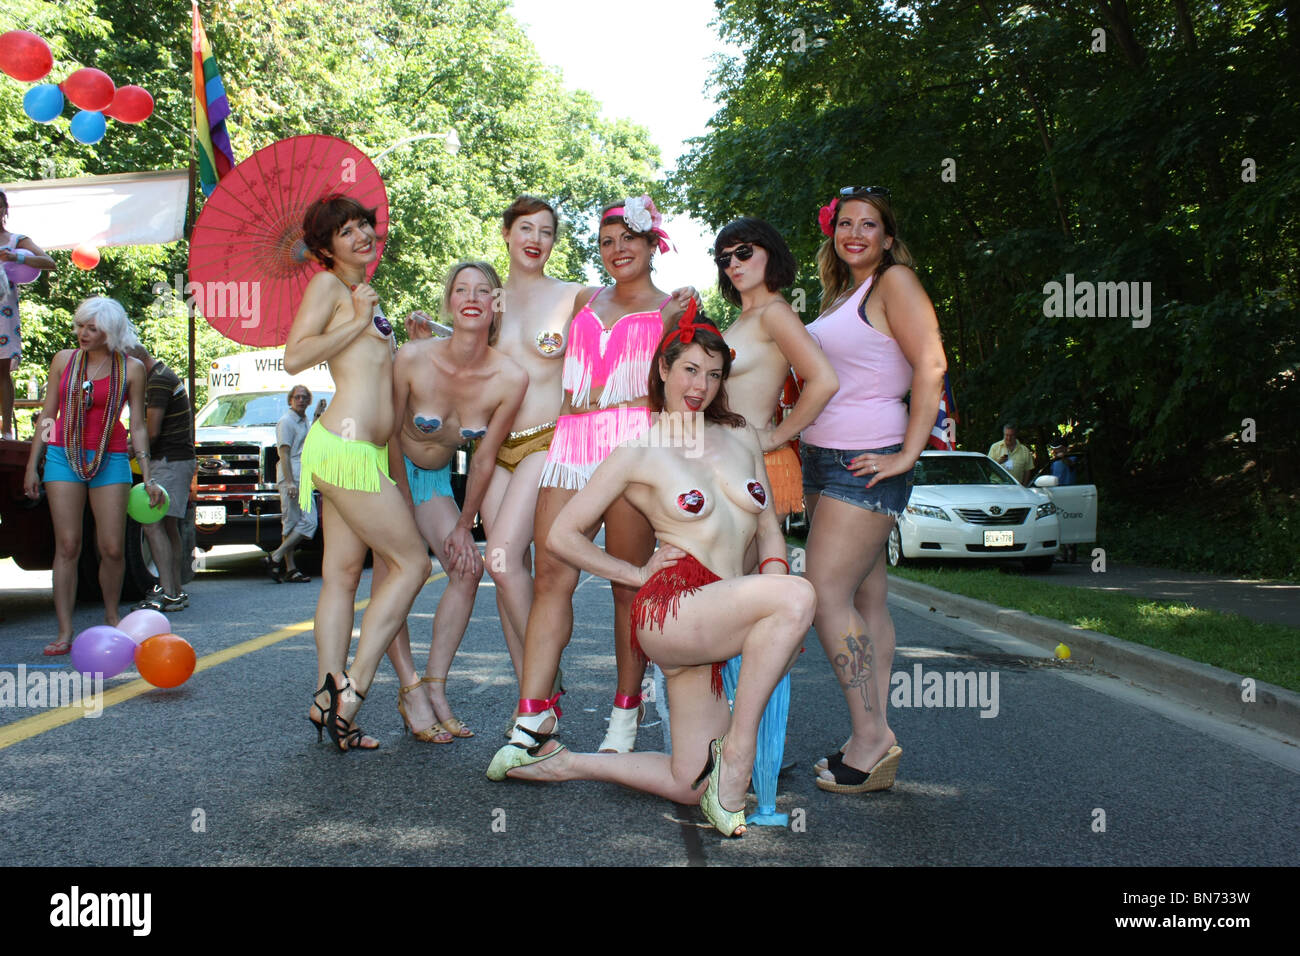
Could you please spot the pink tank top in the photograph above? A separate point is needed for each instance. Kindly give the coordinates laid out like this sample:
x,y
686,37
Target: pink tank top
x,y
616,360
94,427
868,409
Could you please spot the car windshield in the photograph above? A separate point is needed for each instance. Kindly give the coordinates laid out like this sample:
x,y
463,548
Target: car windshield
x,y
258,408
959,470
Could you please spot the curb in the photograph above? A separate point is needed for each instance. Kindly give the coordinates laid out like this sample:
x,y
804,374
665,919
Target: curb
x,y
1213,689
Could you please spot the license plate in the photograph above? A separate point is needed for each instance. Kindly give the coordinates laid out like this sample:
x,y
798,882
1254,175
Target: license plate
x,y
999,539
209,516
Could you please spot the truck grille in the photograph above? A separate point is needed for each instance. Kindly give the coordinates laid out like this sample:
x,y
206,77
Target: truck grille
x,y
228,464
976,516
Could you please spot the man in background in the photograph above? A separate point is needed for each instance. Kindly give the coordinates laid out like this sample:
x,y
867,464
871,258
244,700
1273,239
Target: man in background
x,y
171,446
1013,455
295,525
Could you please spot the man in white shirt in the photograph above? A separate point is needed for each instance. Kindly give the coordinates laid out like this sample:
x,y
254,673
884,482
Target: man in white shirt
x,y
296,526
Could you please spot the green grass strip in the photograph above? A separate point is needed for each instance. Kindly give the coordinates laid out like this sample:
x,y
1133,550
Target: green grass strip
x,y
1269,652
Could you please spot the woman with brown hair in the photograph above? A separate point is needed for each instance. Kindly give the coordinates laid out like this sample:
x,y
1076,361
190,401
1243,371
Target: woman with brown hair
x,y
694,607
612,340
881,335
534,333
345,458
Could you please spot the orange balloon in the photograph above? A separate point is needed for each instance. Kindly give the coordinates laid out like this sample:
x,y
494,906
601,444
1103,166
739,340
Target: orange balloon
x,y
85,256
165,660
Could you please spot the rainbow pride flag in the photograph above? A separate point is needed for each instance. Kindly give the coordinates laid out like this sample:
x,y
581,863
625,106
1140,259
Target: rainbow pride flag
x,y
210,111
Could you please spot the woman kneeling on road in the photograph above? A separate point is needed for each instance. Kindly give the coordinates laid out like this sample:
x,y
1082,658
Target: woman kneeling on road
x,y
699,479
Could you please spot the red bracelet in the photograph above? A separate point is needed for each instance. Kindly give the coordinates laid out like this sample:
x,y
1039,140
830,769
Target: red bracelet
x,y
766,562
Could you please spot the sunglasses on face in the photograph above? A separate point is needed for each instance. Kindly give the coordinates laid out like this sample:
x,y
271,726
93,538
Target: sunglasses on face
x,y
743,253
849,191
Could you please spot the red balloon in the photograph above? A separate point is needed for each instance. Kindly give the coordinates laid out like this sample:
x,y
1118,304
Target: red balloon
x,y
131,104
85,256
165,660
25,56
89,89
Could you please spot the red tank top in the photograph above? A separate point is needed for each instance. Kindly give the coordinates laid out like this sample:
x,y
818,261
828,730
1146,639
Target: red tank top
x,y
94,427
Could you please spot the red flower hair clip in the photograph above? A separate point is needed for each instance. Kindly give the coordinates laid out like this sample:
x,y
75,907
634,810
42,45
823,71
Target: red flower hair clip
x,y
826,216
686,326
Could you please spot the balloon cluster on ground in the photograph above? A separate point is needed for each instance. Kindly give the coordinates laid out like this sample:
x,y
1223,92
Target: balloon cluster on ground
x,y
27,58
142,637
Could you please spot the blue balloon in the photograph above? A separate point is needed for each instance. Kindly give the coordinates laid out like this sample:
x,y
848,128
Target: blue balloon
x,y
88,127
43,103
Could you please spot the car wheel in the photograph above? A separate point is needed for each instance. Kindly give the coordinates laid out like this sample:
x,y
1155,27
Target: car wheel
x,y
1039,565
894,548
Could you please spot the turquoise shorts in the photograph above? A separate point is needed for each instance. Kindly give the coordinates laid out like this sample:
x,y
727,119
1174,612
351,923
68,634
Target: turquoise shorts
x,y
116,470
426,484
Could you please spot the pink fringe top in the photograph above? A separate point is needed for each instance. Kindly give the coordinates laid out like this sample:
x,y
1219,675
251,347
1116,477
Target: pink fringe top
x,y
615,360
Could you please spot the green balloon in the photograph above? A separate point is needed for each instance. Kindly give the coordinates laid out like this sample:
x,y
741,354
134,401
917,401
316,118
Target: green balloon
x,y
138,507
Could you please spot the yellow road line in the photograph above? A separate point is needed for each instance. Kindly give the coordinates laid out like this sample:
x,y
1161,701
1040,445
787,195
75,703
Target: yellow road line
x,y
21,730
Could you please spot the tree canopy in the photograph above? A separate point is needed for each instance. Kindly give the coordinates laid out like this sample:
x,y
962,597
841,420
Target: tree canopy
x,y
1024,142
374,72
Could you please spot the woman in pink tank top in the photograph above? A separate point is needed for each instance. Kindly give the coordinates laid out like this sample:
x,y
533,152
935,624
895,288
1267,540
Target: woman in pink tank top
x,y
612,341
880,332
85,448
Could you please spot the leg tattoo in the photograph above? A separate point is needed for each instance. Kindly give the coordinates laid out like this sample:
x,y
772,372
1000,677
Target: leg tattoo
x,y
855,667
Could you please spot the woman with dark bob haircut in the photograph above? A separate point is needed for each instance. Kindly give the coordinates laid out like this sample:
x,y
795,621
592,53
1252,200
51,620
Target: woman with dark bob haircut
x,y
345,457
769,339
694,606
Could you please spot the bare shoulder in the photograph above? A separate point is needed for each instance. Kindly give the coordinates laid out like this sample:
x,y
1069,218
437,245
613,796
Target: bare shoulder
x,y
778,316
584,296
511,372
900,278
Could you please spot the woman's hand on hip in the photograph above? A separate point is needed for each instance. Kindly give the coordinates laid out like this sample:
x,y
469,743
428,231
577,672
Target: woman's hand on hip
x,y
877,466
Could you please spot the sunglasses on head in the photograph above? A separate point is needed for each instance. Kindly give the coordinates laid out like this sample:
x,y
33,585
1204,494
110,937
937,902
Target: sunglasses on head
x,y
741,252
849,191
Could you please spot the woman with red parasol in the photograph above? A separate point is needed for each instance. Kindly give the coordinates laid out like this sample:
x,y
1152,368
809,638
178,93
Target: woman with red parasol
x,y
694,605
345,458
534,331
446,392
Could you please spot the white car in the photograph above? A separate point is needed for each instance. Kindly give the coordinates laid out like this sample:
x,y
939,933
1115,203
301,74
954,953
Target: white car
x,y
965,505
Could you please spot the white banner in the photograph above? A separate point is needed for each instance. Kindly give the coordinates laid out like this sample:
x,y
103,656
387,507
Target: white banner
x,y
124,209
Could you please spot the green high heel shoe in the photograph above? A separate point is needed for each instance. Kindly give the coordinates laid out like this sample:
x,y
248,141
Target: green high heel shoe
x,y
728,822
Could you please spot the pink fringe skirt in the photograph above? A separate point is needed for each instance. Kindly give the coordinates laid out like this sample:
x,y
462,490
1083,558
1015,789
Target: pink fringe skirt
x,y
581,442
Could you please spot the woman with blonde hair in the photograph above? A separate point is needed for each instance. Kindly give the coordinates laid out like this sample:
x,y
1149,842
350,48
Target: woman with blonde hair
x,y
448,392
85,446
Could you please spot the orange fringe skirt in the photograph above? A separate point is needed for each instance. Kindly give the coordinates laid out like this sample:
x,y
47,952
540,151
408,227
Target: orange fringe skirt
x,y
785,476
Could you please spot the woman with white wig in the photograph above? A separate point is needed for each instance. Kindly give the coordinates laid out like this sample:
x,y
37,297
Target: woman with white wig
x,y
84,444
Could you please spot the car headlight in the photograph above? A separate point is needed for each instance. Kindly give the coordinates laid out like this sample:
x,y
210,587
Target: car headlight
x,y
928,511
1045,509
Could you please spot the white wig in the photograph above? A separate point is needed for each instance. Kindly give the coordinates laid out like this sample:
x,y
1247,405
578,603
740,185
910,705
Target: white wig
x,y
110,318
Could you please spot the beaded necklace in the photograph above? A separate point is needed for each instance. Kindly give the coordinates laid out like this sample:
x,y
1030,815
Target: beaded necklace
x,y
74,413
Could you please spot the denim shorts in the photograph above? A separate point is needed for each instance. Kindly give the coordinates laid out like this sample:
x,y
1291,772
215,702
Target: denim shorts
x,y
115,471
826,472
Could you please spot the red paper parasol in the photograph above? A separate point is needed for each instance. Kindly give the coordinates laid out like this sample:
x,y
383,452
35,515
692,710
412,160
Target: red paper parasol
x,y
248,264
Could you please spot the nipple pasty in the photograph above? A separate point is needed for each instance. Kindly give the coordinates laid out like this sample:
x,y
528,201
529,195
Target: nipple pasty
x,y
427,425
757,493
381,323
691,501
472,434
548,343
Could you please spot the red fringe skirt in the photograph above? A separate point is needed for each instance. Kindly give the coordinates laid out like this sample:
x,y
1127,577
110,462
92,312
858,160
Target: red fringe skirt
x,y
662,595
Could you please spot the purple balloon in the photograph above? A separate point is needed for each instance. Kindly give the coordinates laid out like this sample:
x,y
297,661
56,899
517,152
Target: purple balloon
x,y
143,624
102,649
20,273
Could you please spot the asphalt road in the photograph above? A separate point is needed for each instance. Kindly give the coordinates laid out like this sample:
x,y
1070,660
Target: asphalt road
x,y
231,750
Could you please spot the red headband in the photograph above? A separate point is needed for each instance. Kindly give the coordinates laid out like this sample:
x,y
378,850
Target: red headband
x,y
686,326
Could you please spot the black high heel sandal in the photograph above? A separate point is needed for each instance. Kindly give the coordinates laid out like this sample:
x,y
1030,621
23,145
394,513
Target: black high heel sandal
x,y
318,724
345,735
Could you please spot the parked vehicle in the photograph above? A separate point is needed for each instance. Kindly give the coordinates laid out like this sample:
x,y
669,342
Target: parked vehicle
x,y
965,505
